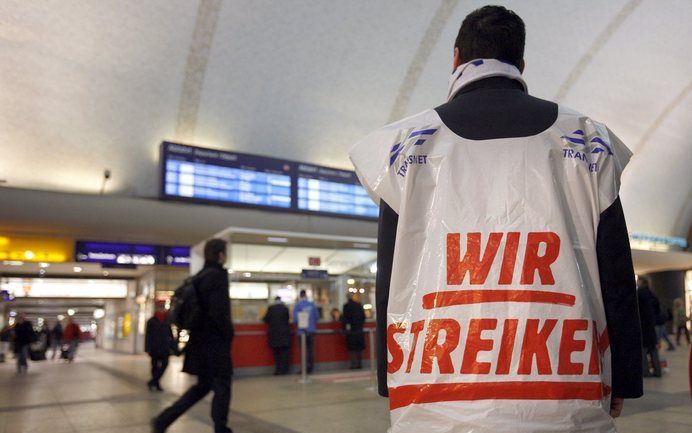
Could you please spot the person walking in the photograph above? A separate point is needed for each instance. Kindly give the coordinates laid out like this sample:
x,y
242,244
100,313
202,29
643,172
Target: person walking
x,y
208,351
56,339
647,316
5,339
353,320
305,317
662,318
24,335
680,320
279,335
158,344
71,338
500,222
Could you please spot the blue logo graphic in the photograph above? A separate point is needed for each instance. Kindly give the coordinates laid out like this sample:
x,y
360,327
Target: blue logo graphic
x,y
399,147
578,137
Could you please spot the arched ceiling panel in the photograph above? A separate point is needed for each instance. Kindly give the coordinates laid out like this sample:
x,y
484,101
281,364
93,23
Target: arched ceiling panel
x,y
86,86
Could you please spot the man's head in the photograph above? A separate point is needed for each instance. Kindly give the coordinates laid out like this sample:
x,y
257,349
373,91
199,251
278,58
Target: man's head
x,y
303,294
491,32
215,251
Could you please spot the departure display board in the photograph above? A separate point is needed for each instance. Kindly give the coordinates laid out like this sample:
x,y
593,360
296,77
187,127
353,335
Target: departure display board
x,y
212,175
205,175
322,189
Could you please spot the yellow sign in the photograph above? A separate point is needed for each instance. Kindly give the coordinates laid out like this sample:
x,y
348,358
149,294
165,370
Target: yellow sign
x,y
28,249
127,324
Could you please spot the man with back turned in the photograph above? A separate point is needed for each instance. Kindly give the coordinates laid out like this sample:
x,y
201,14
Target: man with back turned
x,y
208,351
505,288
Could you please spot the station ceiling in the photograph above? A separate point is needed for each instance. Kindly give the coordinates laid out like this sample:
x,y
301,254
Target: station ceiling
x,y
89,86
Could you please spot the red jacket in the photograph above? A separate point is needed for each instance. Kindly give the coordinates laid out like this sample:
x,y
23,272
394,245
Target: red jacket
x,y
72,332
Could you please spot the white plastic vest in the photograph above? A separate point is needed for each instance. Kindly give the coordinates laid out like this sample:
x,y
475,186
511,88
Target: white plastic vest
x,y
495,318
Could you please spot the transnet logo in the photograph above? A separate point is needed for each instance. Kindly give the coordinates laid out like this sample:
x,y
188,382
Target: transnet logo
x,y
558,357
396,150
578,137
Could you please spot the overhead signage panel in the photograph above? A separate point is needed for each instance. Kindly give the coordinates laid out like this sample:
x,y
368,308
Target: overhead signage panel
x,y
30,249
117,254
205,175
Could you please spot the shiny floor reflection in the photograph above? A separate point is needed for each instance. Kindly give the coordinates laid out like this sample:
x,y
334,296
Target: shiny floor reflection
x,y
106,392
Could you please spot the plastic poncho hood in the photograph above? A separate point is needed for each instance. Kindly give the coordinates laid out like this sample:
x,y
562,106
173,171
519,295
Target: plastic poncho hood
x,y
495,317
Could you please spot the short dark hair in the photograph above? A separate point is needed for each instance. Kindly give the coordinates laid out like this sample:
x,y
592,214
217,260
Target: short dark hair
x,y
213,248
303,294
492,32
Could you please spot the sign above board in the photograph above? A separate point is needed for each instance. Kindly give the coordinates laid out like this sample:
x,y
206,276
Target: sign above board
x,y
117,254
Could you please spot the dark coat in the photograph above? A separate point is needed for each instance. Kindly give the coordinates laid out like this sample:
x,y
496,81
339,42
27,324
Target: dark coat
x,y
24,335
208,351
647,316
279,332
158,340
354,320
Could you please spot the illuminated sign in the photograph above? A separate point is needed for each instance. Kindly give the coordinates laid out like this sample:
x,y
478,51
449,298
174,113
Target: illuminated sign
x,y
243,290
655,242
206,175
63,288
116,254
29,249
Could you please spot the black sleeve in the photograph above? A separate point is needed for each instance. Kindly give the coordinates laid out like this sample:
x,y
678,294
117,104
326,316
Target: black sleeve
x,y
618,287
386,237
147,338
220,306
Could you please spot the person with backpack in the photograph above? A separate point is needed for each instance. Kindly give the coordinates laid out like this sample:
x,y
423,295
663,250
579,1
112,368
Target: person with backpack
x,y
158,343
208,351
305,316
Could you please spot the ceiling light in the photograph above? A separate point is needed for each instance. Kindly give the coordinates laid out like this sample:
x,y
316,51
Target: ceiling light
x,y
367,307
277,240
99,313
373,268
71,312
351,281
105,273
43,264
247,274
28,254
13,263
77,269
362,290
230,271
42,272
61,317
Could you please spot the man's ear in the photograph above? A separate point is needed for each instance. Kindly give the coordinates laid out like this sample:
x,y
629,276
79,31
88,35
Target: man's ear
x,y
521,66
457,59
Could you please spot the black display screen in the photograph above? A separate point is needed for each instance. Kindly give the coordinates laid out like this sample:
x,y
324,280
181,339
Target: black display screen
x,y
206,175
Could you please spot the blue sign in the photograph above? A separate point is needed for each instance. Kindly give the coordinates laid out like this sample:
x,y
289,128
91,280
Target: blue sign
x,y
205,175
117,254
314,274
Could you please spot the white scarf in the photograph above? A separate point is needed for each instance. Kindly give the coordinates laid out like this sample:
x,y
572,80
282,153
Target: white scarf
x,y
477,70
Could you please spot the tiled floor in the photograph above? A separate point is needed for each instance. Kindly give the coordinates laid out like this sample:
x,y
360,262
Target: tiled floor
x,y
105,392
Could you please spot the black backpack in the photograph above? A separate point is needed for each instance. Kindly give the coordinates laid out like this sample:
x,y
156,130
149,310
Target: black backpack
x,y
186,310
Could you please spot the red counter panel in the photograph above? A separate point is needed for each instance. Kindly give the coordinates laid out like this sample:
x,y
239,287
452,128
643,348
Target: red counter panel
x,y
250,347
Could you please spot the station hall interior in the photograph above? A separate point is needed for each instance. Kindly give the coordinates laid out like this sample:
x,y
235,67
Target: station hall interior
x,y
133,132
